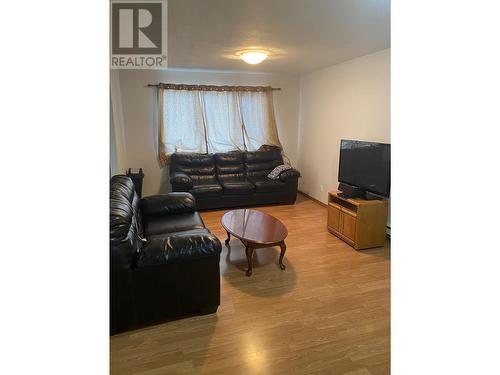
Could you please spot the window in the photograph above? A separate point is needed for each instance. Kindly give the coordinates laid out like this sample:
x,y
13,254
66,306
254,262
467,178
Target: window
x,y
212,119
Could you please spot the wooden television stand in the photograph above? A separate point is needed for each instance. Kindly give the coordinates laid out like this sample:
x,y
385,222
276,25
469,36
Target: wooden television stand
x,y
359,222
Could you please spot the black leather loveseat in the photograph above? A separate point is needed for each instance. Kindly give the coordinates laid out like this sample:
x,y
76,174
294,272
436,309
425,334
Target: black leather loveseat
x,y
233,179
164,262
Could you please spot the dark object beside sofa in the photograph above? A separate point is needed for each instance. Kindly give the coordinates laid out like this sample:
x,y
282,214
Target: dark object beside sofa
x,y
164,262
233,179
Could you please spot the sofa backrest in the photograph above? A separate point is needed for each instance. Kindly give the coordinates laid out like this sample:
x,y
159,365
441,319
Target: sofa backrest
x,y
229,165
125,227
197,166
260,163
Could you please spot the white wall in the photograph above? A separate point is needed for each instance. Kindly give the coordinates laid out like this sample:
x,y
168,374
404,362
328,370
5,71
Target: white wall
x,y
118,155
350,100
139,113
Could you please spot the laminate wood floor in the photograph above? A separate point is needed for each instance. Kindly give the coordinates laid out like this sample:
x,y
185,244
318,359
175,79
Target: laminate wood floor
x,y
328,312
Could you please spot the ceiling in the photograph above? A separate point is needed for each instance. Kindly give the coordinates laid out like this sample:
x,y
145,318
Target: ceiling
x,y
301,35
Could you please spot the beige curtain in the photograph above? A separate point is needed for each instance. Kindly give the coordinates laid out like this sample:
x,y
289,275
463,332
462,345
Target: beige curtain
x,y
214,121
257,116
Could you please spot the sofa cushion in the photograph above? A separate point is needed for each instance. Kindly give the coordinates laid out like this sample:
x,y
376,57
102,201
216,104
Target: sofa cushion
x,y
177,247
201,174
261,163
262,156
265,185
229,165
173,223
190,160
167,204
261,169
197,166
230,171
193,232
206,188
229,158
237,187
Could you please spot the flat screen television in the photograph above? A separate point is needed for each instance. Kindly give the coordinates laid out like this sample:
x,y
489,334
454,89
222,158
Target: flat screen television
x,y
366,165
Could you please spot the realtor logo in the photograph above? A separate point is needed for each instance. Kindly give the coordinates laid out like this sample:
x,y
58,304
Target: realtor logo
x,y
138,34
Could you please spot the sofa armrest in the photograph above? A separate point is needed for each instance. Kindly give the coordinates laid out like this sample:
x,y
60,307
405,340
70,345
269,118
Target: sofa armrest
x,y
181,180
178,247
289,174
167,204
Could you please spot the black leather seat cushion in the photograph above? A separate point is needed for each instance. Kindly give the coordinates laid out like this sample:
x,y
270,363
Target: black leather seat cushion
x,y
238,187
174,223
265,185
175,247
206,188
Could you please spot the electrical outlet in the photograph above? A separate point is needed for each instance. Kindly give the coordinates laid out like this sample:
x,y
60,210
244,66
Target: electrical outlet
x,y
321,188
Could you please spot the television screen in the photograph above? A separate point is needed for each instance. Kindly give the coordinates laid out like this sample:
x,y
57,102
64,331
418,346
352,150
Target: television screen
x,y
367,165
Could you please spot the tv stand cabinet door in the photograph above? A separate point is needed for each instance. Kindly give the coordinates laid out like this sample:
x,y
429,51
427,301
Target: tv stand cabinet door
x,y
348,226
334,217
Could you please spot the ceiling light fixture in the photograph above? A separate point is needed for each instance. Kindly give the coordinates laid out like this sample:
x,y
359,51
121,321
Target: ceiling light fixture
x,y
253,56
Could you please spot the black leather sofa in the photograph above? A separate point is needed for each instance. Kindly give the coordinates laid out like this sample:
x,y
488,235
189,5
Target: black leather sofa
x,y
164,262
233,179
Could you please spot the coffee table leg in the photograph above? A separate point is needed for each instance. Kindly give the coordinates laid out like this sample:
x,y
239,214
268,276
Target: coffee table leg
x,y
228,238
249,253
282,254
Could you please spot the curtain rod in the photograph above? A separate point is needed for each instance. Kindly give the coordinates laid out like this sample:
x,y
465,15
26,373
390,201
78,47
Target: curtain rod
x,y
174,86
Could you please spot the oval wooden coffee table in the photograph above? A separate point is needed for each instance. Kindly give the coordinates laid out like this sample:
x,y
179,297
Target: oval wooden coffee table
x,y
255,230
